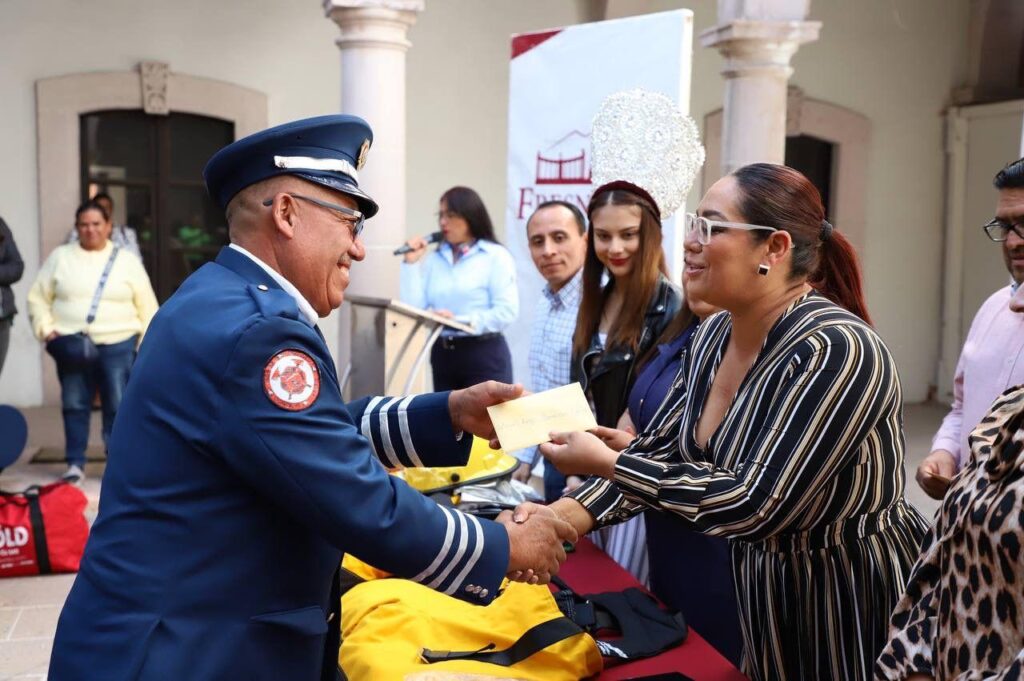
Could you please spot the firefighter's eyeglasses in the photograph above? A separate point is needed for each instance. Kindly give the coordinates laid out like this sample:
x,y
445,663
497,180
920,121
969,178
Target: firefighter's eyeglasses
x,y
353,218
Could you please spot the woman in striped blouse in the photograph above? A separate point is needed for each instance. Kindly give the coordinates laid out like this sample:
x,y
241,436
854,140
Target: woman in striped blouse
x,y
783,433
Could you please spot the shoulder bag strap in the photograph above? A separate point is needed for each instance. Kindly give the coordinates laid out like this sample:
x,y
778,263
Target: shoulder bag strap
x,y
35,515
536,639
99,287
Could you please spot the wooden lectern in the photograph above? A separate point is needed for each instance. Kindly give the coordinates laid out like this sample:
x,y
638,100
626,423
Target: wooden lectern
x,y
391,342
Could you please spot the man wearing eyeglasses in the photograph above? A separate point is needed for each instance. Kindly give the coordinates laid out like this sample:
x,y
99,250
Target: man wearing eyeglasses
x,y
238,476
992,358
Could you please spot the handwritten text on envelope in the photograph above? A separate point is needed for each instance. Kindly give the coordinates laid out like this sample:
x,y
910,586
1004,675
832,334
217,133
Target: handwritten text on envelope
x,y
529,420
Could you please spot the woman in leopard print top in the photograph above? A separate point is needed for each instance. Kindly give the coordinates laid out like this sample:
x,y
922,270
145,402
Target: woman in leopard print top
x,y
962,615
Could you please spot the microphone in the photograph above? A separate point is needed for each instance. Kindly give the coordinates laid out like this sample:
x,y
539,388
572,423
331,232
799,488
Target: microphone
x,y
430,238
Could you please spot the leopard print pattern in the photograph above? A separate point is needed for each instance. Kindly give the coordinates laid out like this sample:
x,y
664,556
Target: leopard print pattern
x,y
961,615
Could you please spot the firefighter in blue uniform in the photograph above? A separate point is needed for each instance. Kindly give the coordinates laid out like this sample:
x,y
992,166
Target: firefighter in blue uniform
x,y
238,476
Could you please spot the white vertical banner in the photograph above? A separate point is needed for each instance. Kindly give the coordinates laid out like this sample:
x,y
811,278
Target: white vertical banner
x,y
558,80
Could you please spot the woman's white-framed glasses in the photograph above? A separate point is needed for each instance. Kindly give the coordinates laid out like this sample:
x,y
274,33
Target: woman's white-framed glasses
x,y
354,218
704,228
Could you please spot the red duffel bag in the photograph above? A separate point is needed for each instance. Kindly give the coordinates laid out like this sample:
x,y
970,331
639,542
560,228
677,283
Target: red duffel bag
x,y
42,530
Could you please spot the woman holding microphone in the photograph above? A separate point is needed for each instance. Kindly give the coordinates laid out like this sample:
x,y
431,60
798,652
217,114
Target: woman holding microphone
x,y
470,278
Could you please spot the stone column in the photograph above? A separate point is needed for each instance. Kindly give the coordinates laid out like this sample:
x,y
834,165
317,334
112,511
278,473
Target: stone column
x,y
757,39
373,46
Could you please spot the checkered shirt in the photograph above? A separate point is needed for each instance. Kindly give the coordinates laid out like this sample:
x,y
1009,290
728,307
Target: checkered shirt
x,y
554,322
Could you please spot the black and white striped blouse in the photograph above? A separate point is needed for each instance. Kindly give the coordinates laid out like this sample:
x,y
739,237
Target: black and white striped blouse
x,y
812,445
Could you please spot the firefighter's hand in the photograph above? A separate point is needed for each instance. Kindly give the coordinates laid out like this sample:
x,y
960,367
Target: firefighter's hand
x,y
568,509
535,544
468,407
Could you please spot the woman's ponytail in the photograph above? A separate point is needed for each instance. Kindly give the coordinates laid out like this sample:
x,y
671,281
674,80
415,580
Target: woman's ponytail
x,y
838,276
783,198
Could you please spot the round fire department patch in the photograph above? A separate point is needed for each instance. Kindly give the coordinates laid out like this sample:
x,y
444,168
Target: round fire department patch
x,y
291,380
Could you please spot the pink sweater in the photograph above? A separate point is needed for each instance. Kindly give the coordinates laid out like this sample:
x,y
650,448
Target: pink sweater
x,y
991,361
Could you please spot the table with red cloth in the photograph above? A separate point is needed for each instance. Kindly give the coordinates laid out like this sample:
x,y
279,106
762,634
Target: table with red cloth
x,y
590,570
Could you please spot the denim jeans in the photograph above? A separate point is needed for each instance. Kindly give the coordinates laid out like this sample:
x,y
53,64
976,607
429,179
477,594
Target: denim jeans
x,y
110,376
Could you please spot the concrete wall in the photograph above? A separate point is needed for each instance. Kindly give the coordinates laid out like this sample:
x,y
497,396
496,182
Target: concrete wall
x,y
458,97
897,63
894,62
280,47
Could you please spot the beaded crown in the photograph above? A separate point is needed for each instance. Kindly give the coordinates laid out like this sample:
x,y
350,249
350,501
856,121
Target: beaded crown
x,y
642,138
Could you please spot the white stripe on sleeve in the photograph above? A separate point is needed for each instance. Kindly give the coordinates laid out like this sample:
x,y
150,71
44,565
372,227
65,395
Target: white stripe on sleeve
x,y
403,425
459,553
478,533
385,434
445,546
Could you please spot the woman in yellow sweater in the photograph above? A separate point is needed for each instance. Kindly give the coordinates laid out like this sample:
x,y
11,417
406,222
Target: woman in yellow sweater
x,y
90,288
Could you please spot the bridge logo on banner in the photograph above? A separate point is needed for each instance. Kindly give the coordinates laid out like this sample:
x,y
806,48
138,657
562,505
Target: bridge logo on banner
x,y
562,174
557,81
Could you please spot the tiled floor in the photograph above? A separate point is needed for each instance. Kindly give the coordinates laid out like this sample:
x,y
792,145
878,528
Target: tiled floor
x,y
29,606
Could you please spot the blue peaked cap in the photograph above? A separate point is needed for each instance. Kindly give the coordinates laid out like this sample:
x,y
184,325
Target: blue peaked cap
x,y
328,150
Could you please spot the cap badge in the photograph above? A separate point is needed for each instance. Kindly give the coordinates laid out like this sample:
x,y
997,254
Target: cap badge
x,y
291,380
361,160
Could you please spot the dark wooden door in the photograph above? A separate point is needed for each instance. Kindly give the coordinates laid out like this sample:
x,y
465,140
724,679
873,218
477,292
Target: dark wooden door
x,y
152,168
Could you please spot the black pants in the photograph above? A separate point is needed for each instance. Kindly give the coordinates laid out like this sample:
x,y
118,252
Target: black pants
x,y
460,362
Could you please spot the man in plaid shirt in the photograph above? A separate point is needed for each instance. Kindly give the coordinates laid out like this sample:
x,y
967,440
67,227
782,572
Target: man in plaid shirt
x,y
556,233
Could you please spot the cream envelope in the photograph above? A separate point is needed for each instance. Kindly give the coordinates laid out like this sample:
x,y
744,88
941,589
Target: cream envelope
x,y
528,421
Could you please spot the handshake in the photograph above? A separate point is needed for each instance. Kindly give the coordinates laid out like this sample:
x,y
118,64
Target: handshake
x,y
536,535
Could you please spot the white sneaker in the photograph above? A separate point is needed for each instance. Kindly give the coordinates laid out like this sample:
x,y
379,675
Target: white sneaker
x,y
74,474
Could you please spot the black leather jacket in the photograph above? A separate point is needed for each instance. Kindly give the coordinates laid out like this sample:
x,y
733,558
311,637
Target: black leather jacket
x,y
11,269
612,373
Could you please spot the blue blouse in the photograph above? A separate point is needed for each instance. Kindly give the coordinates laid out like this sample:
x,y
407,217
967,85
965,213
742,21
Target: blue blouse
x,y
655,379
479,289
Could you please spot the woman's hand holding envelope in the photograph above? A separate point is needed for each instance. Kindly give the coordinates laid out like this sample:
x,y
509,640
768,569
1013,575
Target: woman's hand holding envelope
x,y
580,454
613,437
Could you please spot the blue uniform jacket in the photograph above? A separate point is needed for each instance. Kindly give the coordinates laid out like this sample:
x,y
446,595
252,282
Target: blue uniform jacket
x,y
223,517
